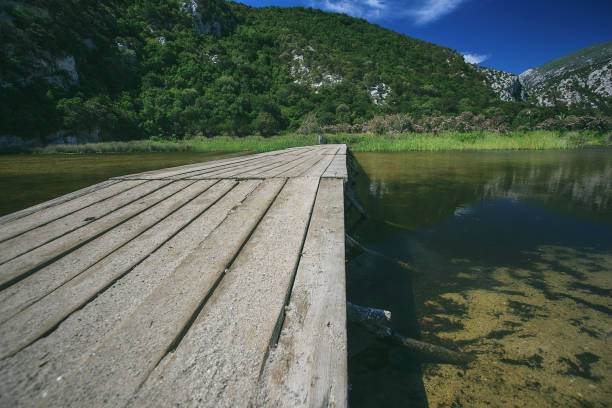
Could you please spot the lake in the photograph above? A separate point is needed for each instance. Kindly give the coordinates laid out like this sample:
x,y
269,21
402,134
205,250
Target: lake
x,y
511,256
26,180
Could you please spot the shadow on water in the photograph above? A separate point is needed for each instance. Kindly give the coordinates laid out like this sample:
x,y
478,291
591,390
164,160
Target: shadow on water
x,y
512,255
381,373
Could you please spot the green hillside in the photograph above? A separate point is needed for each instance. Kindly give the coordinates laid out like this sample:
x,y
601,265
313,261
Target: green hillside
x,y
133,69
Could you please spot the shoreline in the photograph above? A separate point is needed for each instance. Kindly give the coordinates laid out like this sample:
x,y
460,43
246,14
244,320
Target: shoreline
x,y
406,142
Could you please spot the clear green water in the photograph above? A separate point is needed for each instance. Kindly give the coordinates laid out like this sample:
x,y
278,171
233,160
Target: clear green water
x,y
512,258
26,180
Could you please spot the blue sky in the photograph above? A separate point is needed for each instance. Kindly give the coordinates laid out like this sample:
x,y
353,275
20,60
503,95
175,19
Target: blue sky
x,y
508,35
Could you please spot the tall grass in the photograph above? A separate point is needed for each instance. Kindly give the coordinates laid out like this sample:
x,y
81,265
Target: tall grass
x,y
530,140
224,144
251,143
535,140
133,146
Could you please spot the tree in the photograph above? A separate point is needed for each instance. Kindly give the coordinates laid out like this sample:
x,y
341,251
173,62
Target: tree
x,y
265,124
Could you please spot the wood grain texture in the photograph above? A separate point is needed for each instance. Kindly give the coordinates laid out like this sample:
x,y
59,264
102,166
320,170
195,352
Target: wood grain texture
x,y
218,361
122,247
319,168
52,213
45,314
211,169
23,265
302,168
259,164
37,237
278,171
337,168
59,200
29,376
106,377
308,366
171,287
187,169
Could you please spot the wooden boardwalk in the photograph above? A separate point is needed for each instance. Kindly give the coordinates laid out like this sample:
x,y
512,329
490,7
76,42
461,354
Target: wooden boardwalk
x,y
215,284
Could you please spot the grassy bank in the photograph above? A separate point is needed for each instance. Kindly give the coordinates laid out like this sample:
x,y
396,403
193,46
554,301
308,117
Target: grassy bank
x,y
223,144
532,140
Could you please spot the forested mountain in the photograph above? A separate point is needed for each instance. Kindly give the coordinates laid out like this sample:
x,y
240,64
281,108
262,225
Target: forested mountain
x,y
120,69
580,79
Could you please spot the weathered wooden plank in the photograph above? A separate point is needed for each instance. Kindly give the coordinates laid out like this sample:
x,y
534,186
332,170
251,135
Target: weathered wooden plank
x,y
269,159
200,173
55,201
263,163
187,169
110,379
114,246
265,172
331,148
307,150
297,161
28,325
308,368
31,323
27,377
327,149
253,172
295,151
337,168
218,361
116,314
302,168
192,166
39,257
36,237
46,215
319,168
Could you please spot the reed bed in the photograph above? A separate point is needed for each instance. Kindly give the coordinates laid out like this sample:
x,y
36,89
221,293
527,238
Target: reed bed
x,y
529,140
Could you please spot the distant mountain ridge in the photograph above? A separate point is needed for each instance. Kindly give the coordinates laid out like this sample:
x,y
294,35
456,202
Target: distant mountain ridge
x,y
582,78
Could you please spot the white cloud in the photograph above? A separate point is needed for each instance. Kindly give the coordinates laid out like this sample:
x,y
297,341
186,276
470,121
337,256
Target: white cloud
x,y
431,10
473,58
357,8
420,11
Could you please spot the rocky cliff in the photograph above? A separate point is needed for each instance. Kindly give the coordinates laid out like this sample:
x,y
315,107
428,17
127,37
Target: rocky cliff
x,y
581,79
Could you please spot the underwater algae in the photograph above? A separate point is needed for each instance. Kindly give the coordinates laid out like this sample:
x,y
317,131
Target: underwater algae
x,y
512,262
538,341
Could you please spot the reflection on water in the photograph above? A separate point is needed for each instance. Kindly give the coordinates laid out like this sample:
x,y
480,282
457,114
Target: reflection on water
x,y
513,262
576,182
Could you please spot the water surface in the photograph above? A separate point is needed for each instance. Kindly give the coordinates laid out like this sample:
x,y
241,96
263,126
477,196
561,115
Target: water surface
x,y
26,180
512,259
